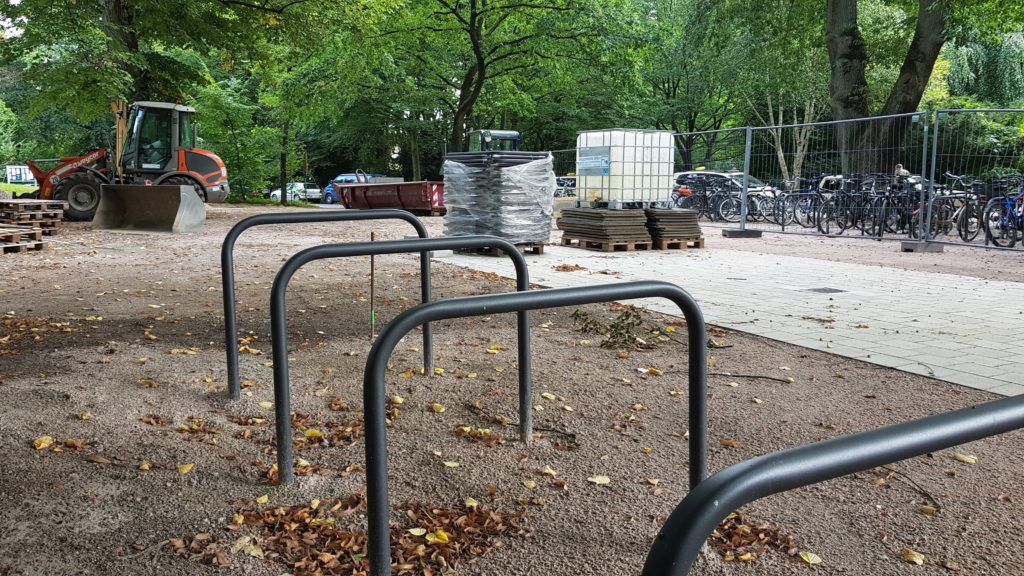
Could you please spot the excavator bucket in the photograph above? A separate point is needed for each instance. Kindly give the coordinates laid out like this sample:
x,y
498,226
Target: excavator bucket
x,y
149,209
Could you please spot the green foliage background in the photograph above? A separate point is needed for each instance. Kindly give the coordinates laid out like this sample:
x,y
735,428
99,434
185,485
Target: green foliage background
x,y
389,86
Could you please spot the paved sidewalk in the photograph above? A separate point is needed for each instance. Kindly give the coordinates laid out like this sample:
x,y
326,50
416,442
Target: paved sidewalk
x,y
959,329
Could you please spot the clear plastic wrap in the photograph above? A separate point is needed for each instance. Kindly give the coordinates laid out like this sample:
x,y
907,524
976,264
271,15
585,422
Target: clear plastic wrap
x,y
511,202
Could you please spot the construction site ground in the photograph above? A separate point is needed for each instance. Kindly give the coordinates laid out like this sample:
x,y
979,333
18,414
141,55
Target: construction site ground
x,y
122,454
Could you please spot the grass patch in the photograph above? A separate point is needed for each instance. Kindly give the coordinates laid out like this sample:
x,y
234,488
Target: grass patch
x,y
17,189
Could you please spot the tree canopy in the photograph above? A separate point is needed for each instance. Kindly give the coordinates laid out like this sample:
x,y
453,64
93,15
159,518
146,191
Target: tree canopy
x,y
307,88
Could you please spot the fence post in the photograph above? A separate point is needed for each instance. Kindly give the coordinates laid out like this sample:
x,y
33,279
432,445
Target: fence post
x,y
747,146
926,227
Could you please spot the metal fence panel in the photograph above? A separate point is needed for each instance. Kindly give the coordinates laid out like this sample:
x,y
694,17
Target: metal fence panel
x,y
976,194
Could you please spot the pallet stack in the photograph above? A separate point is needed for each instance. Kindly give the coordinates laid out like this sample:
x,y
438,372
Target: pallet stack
x,y
605,230
674,229
42,214
20,238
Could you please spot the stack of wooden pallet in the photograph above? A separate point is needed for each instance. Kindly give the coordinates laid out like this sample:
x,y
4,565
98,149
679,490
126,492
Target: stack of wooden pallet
x,y
674,229
607,230
42,214
20,238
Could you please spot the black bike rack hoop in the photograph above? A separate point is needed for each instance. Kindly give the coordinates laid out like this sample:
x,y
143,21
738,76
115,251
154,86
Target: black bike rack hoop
x,y
279,333
227,265
687,528
374,397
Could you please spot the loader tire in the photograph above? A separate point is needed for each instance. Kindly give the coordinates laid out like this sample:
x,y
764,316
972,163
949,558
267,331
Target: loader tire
x,y
185,181
81,191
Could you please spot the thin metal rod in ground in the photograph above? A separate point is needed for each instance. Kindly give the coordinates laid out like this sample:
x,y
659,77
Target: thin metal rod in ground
x,y
227,266
681,537
279,333
374,397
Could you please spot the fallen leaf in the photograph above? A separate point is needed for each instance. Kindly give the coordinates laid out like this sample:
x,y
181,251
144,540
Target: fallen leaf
x,y
549,471
929,509
84,415
471,503
42,443
417,531
408,373
530,484
396,399
733,384
185,468
263,499
810,557
757,400
451,464
314,434
652,481
567,408
438,371
267,405
647,449
790,379
912,556
248,545
438,408
966,458
600,480
548,396
238,519
97,459
438,537
145,465
728,442
314,503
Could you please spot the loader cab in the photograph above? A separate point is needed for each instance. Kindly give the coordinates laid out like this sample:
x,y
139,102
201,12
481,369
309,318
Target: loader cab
x,y
156,131
160,148
485,140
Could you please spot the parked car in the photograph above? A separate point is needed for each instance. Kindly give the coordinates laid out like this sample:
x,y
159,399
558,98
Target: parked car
x,y
330,196
304,191
565,186
705,181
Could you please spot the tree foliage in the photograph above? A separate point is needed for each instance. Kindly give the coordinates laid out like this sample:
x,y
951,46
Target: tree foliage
x,y
391,85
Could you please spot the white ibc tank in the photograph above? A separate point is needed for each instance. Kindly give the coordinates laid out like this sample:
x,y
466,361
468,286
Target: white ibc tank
x,y
624,166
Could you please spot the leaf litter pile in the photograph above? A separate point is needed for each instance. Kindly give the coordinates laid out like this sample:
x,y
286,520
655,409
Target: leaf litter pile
x,y
321,538
117,437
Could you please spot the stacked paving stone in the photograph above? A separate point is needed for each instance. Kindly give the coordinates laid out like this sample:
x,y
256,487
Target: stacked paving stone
x,y
601,225
506,194
673,224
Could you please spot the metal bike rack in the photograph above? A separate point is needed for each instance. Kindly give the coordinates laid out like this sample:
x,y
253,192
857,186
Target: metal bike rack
x,y
687,528
279,335
227,265
378,507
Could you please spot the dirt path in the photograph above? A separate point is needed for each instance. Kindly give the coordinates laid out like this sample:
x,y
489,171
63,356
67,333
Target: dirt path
x,y
112,345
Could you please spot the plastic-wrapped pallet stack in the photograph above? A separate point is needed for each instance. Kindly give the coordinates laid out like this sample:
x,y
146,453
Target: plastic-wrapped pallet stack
x,y
501,193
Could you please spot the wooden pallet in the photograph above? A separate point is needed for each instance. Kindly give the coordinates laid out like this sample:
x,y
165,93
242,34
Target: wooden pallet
x,y
11,215
607,245
526,248
20,239
31,204
51,224
678,243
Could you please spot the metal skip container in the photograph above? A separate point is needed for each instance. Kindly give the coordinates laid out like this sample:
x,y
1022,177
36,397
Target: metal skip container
x,y
624,168
175,209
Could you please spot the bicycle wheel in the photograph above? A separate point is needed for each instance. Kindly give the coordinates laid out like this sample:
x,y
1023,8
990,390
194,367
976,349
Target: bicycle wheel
x,y
968,223
729,209
805,211
1000,226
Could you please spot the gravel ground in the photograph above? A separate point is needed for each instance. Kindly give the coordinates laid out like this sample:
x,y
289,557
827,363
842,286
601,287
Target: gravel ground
x,y
112,341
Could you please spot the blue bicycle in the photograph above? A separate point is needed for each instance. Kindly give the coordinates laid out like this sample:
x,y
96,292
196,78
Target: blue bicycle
x,y
1004,216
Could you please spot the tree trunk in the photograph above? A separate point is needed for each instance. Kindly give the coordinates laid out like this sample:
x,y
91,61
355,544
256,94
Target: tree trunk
x,y
876,146
284,161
